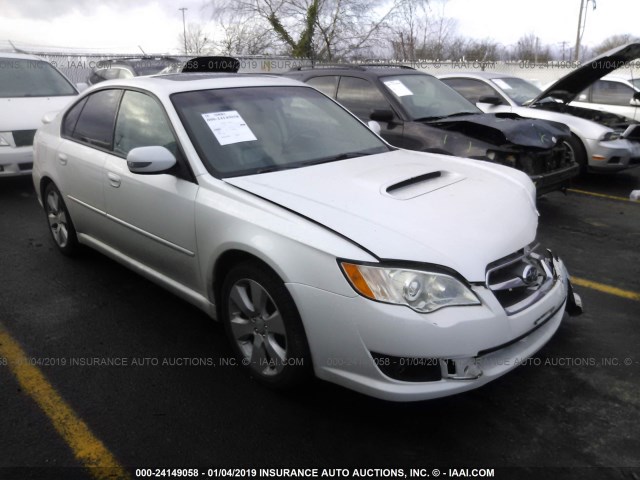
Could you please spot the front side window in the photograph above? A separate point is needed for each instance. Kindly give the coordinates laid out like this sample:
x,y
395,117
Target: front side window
x,y
471,89
243,131
426,98
141,123
32,78
611,93
326,85
95,123
361,97
518,89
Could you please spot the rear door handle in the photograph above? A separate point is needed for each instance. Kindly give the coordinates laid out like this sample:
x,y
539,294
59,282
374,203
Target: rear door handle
x,y
62,158
114,179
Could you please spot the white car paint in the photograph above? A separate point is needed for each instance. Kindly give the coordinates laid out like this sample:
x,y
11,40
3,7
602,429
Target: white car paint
x,y
302,222
23,114
630,110
602,155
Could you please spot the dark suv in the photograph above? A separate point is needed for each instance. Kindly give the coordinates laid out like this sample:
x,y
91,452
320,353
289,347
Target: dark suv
x,y
130,67
419,112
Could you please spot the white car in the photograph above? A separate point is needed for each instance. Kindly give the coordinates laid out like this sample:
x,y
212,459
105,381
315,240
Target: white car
x,y
399,274
602,141
619,94
29,88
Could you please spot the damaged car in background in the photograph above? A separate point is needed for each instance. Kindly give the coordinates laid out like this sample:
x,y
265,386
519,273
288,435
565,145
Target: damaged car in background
x,y
321,248
601,141
416,111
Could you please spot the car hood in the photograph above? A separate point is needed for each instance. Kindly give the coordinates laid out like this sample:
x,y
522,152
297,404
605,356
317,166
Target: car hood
x,y
26,113
503,128
569,86
411,206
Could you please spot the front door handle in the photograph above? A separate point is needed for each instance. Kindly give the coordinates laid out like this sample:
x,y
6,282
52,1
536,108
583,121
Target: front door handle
x,y
62,158
114,179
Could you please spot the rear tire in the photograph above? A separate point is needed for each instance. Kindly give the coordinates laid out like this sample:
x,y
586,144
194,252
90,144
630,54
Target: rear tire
x,y
60,224
264,327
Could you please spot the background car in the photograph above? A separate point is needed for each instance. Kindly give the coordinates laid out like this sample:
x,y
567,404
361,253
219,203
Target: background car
x,y
602,141
29,88
614,93
418,112
118,68
319,246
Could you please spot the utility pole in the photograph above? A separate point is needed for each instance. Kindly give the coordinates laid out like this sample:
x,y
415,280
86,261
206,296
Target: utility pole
x,y
582,22
184,29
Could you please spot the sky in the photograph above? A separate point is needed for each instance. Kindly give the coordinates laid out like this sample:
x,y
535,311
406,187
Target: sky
x,y
120,26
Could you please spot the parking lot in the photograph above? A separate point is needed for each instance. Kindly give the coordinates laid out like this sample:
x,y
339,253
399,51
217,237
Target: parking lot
x,y
140,377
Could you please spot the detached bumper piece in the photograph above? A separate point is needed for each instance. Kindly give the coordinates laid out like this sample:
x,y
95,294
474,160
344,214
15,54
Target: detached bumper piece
x,y
574,302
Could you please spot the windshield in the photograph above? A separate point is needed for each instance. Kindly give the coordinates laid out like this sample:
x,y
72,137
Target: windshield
x,y
426,98
517,89
31,78
243,131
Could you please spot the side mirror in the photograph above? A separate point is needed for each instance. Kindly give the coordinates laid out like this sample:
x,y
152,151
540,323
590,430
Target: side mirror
x,y
382,116
150,160
491,100
374,126
49,117
82,86
635,100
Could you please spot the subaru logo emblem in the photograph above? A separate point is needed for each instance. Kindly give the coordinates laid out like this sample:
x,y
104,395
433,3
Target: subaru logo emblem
x,y
529,275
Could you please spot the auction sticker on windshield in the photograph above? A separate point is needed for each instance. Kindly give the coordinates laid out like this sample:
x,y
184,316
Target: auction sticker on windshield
x,y
399,88
229,127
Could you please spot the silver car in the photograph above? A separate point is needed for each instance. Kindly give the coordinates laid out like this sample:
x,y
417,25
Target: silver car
x,y
602,141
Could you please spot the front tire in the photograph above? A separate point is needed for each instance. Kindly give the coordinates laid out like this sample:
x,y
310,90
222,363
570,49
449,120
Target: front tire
x,y
574,144
264,326
60,225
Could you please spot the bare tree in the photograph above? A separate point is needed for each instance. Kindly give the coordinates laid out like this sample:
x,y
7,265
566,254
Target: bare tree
x,y
614,41
529,49
321,29
244,36
196,40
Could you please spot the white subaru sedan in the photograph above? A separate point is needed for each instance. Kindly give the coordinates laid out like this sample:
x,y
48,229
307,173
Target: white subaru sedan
x,y
322,249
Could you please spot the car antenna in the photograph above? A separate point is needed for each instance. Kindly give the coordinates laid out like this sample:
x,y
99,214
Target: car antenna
x,y
143,52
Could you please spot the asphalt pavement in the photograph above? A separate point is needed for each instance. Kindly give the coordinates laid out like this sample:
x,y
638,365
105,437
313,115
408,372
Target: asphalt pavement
x,y
170,397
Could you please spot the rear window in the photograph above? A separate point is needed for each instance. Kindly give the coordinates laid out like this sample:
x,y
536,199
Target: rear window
x,y
32,78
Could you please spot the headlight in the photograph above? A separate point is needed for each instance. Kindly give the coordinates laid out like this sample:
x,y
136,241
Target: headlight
x,y
611,136
3,140
421,291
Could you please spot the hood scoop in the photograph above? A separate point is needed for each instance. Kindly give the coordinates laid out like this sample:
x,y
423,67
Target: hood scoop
x,y
421,184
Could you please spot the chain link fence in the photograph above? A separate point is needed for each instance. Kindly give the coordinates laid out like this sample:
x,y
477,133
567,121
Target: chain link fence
x,y
78,67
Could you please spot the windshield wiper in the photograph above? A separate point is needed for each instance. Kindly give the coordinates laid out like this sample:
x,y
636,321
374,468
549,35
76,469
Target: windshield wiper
x,y
429,119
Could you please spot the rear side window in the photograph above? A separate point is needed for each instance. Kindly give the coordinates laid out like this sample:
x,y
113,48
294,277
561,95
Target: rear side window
x,y
611,93
96,120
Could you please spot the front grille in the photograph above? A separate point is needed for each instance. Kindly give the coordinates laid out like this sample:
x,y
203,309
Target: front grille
x,y
23,138
538,162
521,279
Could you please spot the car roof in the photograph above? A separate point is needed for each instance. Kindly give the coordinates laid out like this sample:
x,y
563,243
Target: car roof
x,y
366,70
21,56
483,75
184,82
